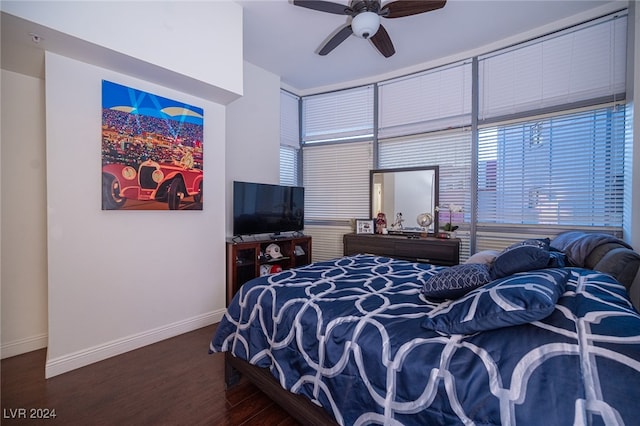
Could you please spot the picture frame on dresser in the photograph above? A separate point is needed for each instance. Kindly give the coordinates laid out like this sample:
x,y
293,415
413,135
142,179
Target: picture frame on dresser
x,y
364,226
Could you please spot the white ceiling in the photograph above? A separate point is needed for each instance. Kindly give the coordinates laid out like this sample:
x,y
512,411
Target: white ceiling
x,y
282,38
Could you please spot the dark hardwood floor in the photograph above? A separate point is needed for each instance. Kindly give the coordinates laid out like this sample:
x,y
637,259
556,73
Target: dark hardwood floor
x,y
173,382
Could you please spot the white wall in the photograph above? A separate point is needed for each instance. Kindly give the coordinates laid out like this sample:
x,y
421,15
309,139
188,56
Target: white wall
x,y
253,133
252,129
109,282
24,246
193,46
121,279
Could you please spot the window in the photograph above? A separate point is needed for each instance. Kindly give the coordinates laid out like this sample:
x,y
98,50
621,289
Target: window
x,y
289,138
425,120
551,136
451,151
565,170
337,155
288,166
530,140
338,116
336,181
433,100
577,65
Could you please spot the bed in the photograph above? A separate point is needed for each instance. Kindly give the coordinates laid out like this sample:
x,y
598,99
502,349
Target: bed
x,y
543,331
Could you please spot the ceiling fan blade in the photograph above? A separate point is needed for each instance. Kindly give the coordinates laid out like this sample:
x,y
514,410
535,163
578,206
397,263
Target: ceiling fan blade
x,y
382,42
324,6
334,41
400,8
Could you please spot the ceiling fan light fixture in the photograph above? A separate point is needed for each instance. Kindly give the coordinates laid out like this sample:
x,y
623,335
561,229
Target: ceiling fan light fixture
x,y
365,24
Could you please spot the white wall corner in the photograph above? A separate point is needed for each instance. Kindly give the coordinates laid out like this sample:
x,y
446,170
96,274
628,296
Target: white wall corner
x,y
21,346
68,362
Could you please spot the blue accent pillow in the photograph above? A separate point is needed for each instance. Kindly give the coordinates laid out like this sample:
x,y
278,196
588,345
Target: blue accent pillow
x,y
456,281
518,299
543,243
557,259
519,259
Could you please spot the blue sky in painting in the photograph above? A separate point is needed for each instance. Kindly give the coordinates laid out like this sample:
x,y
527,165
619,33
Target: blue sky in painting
x,y
123,98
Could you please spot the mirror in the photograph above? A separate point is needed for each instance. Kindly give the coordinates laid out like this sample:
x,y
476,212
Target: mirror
x,y
408,191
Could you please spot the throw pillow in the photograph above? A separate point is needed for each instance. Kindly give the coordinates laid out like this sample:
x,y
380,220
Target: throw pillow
x,y
542,243
456,281
519,259
486,256
557,259
518,299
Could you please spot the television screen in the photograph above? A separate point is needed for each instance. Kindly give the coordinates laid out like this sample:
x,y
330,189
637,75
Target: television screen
x,y
260,208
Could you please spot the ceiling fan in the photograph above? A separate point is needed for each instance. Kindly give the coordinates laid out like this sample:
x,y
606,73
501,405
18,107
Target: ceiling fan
x,y
365,19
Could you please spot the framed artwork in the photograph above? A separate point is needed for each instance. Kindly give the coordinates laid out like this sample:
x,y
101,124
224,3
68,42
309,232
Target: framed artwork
x,y
364,226
151,151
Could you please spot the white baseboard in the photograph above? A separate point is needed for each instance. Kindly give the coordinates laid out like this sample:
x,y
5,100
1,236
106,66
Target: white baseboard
x,y
22,346
97,353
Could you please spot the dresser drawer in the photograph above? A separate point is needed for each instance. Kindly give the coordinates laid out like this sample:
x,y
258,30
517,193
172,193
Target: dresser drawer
x,y
427,250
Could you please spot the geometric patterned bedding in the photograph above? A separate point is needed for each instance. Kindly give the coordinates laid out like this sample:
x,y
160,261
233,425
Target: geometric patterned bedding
x,y
348,335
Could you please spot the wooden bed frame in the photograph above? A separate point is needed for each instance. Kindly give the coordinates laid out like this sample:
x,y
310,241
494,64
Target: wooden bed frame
x,y
298,406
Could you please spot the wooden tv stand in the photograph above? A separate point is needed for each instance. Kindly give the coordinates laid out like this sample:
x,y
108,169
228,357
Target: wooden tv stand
x,y
244,258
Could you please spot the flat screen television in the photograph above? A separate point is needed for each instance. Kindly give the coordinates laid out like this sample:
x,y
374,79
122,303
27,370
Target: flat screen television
x,y
260,208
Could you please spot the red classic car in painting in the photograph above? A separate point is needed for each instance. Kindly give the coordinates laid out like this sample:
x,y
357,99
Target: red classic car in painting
x,y
169,183
152,151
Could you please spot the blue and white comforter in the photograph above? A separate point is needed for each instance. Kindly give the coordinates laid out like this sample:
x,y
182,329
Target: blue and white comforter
x,y
348,335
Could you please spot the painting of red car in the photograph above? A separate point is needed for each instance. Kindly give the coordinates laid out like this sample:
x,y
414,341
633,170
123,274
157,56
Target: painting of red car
x,y
152,151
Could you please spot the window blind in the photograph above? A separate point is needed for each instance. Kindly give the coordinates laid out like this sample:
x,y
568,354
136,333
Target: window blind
x,y
289,120
338,115
582,63
327,240
565,169
336,181
433,100
450,150
288,166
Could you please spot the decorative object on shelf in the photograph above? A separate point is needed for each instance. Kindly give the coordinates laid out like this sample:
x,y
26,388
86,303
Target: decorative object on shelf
x,y
269,269
273,251
449,226
364,226
397,225
381,223
424,220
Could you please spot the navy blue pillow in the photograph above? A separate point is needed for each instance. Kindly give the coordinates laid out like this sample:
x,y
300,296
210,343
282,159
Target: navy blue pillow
x,y
519,259
557,259
543,243
456,281
513,300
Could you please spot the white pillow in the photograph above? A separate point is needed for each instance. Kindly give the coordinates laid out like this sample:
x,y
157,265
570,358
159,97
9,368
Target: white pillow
x,y
486,256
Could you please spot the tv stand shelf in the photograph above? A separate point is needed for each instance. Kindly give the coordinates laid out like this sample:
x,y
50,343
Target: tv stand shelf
x,y
244,258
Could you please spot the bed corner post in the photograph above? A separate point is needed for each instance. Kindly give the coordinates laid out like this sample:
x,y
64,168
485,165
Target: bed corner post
x,y
231,374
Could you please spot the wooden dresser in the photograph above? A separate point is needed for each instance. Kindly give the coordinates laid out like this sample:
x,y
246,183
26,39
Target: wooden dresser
x,y
445,252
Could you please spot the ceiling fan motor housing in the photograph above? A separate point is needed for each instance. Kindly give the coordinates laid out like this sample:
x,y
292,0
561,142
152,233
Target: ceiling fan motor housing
x,y
365,24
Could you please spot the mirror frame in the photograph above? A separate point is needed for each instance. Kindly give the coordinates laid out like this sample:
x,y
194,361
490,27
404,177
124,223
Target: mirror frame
x,y
436,192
